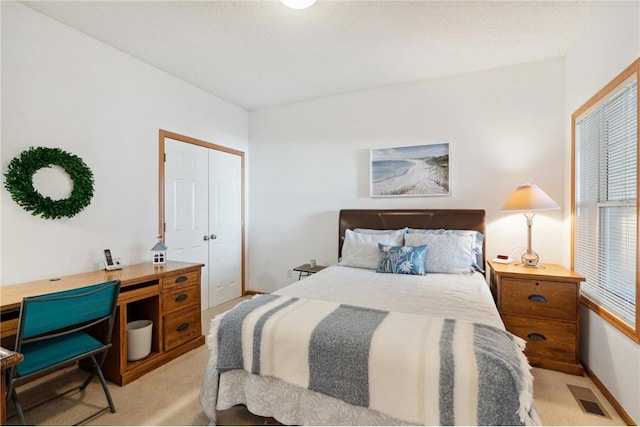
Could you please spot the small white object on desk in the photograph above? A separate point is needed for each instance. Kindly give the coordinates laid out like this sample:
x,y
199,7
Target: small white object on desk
x,y
502,259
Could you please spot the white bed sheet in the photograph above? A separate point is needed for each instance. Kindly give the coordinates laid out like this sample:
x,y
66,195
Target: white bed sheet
x,y
440,295
460,296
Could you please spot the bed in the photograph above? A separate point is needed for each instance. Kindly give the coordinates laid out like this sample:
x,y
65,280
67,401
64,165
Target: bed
x,y
399,332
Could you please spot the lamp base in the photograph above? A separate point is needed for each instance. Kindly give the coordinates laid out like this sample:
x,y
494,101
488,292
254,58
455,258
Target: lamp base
x,y
530,259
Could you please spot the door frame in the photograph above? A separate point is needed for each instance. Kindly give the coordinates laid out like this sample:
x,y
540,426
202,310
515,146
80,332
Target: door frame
x,y
162,135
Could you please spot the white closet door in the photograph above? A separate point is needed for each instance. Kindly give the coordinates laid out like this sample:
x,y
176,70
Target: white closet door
x,y
187,206
225,226
203,216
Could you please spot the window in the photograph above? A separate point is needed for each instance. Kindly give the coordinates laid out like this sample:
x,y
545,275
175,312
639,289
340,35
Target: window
x,y
604,201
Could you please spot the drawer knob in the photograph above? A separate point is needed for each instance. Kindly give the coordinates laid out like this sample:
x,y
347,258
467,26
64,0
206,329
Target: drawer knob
x,y
183,327
537,337
181,279
537,298
181,297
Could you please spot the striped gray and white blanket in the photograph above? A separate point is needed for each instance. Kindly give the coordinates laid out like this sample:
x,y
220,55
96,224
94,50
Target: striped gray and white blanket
x,y
415,368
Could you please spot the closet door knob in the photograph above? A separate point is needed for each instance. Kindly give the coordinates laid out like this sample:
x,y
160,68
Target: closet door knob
x,y
205,237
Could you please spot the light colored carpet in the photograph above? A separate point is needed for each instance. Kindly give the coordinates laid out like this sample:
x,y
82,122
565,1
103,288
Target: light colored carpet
x,y
169,396
557,406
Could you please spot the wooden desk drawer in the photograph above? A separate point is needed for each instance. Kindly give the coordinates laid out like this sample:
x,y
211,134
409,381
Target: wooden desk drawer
x,y
546,338
179,298
555,300
8,328
181,326
184,279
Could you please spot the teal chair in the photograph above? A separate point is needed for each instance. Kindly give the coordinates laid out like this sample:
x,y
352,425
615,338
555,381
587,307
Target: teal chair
x,y
53,333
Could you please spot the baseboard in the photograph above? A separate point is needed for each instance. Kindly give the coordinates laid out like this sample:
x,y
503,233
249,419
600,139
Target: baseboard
x,y
619,409
249,292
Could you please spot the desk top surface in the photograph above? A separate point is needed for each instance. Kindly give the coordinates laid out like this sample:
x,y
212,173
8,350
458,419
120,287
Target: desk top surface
x,y
11,295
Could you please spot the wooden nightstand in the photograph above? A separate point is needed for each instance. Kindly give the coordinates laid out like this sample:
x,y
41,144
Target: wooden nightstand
x,y
540,305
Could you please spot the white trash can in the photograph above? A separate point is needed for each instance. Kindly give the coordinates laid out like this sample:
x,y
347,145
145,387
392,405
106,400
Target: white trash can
x,y
139,339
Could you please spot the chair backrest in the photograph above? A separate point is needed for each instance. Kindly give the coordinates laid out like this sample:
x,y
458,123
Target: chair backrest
x,y
44,314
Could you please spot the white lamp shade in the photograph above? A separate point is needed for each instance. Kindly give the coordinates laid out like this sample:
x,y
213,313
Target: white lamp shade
x,y
298,4
529,197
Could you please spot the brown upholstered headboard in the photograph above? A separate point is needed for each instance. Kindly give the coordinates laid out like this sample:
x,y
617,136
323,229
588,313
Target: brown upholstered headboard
x,y
393,219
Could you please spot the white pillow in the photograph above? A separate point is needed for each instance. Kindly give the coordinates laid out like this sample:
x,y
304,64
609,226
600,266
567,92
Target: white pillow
x,y
477,242
361,249
375,231
446,253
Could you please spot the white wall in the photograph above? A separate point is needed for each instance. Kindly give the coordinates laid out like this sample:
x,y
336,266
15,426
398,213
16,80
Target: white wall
x,y
308,160
608,46
311,159
63,89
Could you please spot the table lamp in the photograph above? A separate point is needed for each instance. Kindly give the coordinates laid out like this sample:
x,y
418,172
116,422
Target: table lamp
x,y
528,198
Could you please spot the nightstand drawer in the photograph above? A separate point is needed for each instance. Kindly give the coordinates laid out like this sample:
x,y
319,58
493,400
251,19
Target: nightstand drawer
x,y
555,300
545,338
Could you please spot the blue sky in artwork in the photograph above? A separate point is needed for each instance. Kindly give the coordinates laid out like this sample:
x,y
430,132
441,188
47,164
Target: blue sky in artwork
x,y
412,152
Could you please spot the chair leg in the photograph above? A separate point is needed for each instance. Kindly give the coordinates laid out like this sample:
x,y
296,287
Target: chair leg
x,y
93,372
88,380
98,372
13,395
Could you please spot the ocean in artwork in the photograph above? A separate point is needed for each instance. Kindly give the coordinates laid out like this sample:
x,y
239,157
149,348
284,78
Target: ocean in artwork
x,y
383,169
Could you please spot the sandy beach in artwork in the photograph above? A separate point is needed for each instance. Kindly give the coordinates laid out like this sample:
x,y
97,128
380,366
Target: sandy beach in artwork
x,y
419,179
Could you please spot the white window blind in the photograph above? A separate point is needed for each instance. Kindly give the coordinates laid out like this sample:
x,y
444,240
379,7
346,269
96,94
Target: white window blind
x,y
606,174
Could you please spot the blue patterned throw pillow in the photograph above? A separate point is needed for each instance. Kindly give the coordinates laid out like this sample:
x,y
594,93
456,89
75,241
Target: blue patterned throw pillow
x,y
402,259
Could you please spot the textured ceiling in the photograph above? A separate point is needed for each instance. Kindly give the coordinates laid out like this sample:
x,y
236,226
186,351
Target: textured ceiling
x,y
258,54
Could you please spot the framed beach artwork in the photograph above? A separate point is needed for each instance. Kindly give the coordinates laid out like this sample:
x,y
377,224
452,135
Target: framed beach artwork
x,y
417,170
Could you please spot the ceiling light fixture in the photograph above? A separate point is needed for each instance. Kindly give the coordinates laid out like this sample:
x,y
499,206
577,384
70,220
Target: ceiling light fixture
x,y
298,4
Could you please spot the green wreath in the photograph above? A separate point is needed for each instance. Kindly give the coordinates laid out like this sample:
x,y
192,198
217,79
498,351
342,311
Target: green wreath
x,y
19,182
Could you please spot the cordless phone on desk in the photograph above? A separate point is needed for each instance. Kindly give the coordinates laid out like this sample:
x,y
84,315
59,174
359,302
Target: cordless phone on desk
x,y
110,263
